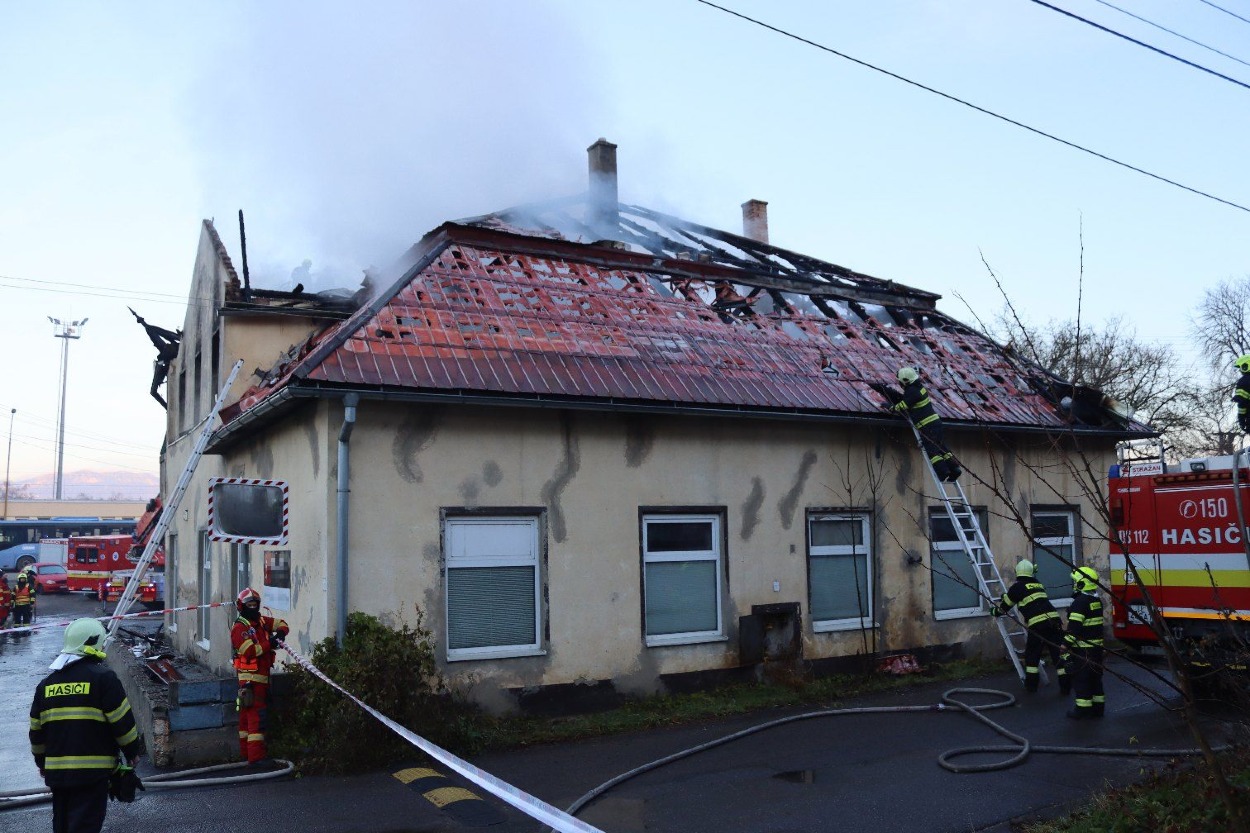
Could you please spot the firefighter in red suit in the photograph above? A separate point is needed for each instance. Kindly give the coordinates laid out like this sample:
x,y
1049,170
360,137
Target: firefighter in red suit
x,y
6,600
252,638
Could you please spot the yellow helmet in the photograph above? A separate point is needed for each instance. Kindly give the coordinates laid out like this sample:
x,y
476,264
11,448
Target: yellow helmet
x,y
1025,568
1243,363
1085,579
907,375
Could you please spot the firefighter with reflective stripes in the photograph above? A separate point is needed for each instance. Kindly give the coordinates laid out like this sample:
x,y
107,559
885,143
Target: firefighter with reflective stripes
x,y
1041,621
253,637
23,601
1241,393
1084,643
917,407
6,599
80,719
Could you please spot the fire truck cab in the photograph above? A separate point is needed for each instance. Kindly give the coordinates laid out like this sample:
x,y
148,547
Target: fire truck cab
x,y
1182,528
90,559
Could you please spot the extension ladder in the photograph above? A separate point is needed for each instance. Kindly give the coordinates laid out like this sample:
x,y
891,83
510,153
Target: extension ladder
x,y
167,512
971,538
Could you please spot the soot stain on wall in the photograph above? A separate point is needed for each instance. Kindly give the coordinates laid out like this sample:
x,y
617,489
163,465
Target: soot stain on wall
x,y
566,469
415,434
639,441
790,502
751,508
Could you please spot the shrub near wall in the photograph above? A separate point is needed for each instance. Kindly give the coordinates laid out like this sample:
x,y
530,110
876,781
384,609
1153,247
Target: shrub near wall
x,y
390,668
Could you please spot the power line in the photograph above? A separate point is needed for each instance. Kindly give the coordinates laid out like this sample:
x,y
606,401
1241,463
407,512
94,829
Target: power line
x,y
1172,32
972,106
1225,11
1142,44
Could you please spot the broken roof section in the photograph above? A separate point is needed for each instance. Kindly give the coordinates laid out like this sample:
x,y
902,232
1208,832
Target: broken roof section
x,y
591,304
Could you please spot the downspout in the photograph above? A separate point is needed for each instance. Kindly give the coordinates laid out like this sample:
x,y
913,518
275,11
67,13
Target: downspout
x,y
350,401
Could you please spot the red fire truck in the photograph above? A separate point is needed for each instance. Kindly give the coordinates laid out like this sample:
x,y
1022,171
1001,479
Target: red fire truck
x,y
151,592
1181,528
88,559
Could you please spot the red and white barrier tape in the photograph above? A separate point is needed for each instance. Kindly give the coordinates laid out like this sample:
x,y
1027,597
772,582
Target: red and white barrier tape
x,y
533,807
61,623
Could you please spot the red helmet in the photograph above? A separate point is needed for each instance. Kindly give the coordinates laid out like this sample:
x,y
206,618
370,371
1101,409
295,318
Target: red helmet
x,y
248,597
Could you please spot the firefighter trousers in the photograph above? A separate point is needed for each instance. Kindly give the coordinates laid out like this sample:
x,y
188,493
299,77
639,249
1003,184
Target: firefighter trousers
x,y
252,721
1044,637
80,808
1087,682
22,614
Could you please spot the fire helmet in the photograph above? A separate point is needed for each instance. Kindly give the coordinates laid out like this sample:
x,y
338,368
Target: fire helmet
x,y
1085,579
85,638
907,375
1024,568
247,600
1243,363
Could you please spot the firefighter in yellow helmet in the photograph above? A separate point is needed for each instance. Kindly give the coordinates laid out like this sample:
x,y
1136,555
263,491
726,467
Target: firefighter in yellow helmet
x,y
1241,393
80,720
253,638
1041,621
23,600
1084,643
917,407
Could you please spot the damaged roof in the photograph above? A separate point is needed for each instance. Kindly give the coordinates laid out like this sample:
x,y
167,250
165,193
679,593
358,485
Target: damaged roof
x,y
537,305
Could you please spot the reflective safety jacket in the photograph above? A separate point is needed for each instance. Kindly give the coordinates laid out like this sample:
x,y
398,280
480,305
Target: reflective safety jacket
x,y
253,646
1030,595
24,595
1241,397
1084,622
6,595
79,720
916,405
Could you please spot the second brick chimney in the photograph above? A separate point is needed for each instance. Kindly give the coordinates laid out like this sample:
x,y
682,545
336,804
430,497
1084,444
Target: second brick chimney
x,y
755,220
604,205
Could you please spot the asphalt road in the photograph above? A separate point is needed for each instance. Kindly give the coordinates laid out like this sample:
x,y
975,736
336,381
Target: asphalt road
x,y
869,773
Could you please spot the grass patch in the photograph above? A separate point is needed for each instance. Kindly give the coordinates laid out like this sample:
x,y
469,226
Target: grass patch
x,y
1180,798
502,733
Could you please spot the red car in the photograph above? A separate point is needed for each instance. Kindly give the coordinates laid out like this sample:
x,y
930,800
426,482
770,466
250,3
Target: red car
x,y
50,577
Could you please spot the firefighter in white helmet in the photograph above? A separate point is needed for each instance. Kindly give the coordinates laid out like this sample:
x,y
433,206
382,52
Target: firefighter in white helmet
x,y
1241,393
916,406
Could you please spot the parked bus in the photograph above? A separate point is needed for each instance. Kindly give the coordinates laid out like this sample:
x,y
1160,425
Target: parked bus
x,y
19,539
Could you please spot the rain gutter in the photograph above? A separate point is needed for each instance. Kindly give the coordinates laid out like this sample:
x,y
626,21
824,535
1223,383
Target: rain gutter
x,y
350,401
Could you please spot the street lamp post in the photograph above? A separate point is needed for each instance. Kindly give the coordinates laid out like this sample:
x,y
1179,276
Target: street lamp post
x,y
8,458
64,330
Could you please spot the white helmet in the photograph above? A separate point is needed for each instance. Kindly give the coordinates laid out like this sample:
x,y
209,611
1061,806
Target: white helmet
x,y
907,375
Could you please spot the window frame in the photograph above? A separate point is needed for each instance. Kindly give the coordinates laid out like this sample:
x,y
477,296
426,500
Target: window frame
x,y
1058,597
954,546
452,561
865,518
715,554
204,619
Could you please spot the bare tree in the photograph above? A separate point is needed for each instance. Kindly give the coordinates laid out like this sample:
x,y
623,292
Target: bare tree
x,y
1222,323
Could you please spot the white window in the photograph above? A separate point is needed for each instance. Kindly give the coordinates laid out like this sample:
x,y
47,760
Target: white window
x,y
241,555
839,571
682,587
1054,552
493,587
956,592
171,581
206,587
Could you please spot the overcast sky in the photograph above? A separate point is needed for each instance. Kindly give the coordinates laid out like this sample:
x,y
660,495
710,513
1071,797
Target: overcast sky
x,y
345,132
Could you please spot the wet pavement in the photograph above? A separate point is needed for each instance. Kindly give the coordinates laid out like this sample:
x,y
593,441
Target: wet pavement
x,y
869,773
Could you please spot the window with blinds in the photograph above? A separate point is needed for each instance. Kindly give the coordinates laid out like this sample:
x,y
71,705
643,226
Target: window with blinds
x,y
956,592
493,587
682,568
839,571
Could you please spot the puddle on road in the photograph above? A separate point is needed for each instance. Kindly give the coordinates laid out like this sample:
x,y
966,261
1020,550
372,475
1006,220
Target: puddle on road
x,y
797,776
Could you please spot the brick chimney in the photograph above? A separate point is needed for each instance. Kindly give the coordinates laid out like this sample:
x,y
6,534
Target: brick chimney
x,y
755,220
604,205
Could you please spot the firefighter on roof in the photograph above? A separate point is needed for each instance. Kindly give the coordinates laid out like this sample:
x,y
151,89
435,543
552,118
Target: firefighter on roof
x,y
1084,642
80,720
252,638
1241,393
23,600
917,407
1045,632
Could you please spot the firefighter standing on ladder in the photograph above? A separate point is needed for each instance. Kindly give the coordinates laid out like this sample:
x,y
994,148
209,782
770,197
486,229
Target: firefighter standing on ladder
x,y
1041,621
917,407
1241,393
1084,641
252,638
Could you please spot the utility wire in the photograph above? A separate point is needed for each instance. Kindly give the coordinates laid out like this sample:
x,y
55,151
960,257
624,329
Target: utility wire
x,y
972,106
1171,32
1225,11
1142,44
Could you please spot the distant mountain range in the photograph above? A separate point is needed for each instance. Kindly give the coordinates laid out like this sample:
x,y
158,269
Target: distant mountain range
x,y
89,485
